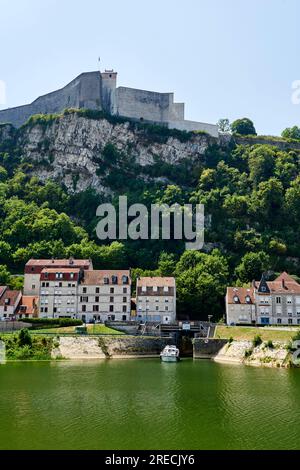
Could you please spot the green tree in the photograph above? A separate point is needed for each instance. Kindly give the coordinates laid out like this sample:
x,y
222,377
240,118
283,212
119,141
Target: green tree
x,y
291,133
224,125
4,275
252,266
243,127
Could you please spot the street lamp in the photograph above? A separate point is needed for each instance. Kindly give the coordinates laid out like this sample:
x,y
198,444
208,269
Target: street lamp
x,y
209,318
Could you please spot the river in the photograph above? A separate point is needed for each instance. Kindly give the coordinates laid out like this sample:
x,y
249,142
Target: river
x,y
142,404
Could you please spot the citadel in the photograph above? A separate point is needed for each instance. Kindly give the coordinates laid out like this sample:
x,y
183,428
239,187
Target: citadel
x,y
99,91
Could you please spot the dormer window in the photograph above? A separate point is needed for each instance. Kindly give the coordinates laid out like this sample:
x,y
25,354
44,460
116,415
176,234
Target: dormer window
x,y
114,279
106,280
236,299
125,280
248,299
263,289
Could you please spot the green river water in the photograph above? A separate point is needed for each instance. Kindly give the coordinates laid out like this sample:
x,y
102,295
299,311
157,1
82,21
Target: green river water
x,y
142,404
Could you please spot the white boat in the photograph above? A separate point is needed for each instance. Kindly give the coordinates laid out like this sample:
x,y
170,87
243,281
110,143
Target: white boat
x,y
170,354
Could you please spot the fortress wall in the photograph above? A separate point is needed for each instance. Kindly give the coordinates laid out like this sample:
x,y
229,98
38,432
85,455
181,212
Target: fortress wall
x,y
139,104
194,126
83,92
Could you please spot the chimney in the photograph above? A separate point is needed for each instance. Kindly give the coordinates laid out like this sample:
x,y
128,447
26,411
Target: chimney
x,y
283,283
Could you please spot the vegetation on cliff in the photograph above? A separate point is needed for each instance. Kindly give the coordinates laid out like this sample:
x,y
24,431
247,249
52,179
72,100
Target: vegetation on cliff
x,y
251,194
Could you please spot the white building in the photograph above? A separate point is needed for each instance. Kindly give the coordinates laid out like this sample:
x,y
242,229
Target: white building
x,y
58,295
156,299
105,296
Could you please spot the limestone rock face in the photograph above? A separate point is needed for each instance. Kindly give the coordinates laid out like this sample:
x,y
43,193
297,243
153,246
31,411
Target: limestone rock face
x,y
70,148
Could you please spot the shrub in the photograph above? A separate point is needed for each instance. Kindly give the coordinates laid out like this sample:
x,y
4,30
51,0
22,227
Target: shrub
x,y
24,338
230,340
52,322
248,353
257,341
270,344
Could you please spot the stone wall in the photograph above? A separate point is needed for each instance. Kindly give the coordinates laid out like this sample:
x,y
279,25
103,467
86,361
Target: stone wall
x,y
208,348
107,347
83,92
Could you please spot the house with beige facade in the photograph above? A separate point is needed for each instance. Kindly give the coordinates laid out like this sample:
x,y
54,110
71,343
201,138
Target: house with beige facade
x,y
105,296
156,299
265,302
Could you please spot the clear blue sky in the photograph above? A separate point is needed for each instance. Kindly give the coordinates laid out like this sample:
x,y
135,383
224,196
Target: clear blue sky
x,y
223,58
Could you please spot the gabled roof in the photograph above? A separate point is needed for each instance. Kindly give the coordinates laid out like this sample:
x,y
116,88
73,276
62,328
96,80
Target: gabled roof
x,y
241,293
28,304
10,295
283,284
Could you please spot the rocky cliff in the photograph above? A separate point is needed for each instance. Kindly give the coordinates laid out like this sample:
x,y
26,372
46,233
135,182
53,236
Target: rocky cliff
x,y
81,152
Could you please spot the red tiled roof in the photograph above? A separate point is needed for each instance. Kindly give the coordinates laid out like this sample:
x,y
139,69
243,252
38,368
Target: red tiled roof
x,y
283,284
28,303
241,293
60,270
59,262
156,282
96,278
11,295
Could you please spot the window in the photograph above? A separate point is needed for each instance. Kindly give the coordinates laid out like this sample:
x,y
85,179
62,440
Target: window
x,y
124,300
71,275
46,310
96,299
84,308
157,308
125,279
124,290
97,290
84,290
144,289
290,312
154,288
42,310
111,299
60,284
84,299
55,310
167,301
298,311
114,279
124,318
33,286
289,300
95,308
279,321
106,280
166,289
278,300
112,290
290,320
111,308
47,284
43,284
124,308
298,321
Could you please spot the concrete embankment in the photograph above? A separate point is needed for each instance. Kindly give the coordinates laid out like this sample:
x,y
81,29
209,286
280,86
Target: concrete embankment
x,y
242,352
107,347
